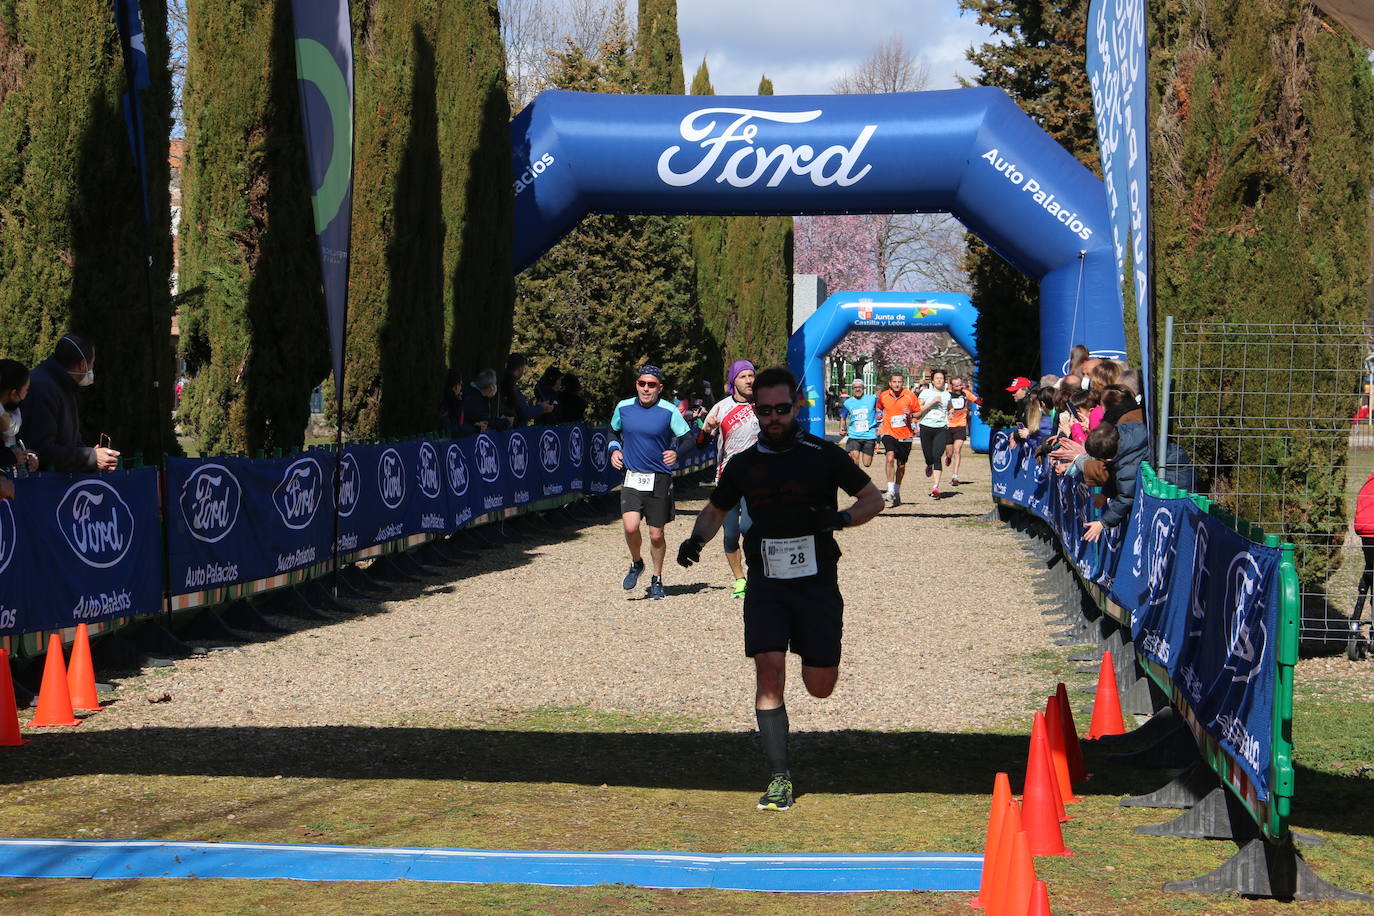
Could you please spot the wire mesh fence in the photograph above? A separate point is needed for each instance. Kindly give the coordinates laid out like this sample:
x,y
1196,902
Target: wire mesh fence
x,y
1276,419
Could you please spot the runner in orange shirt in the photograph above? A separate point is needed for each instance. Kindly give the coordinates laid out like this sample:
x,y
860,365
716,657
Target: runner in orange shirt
x,y
961,397
898,405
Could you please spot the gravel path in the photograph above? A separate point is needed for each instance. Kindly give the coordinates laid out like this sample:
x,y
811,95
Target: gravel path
x,y
933,598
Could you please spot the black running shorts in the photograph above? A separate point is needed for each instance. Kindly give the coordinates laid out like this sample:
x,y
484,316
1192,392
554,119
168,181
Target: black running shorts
x,y
958,432
867,446
805,616
657,507
899,448
933,442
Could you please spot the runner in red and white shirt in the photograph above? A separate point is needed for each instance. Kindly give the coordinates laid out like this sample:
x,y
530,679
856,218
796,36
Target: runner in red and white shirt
x,y
734,421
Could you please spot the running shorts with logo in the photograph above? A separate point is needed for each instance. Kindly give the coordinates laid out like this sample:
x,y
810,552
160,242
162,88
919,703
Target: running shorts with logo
x,y
793,602
649,494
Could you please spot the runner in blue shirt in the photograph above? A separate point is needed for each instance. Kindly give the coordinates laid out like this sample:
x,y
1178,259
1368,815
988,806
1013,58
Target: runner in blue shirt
x,y
859,419
651,435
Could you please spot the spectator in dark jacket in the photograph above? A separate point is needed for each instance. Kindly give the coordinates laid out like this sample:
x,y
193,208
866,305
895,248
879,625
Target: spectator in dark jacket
x,y
479,406
512,402
572,407
14,387
52,422
1118,470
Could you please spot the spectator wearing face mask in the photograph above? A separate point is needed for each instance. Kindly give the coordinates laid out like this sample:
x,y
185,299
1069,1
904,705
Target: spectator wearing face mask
x,y
52,421
14,387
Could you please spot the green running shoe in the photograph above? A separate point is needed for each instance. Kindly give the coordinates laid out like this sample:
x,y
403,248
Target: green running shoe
x,y
738,590
779,795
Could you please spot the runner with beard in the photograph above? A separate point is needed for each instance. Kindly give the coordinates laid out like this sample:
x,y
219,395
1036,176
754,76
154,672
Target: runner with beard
x,y
788,478
734,421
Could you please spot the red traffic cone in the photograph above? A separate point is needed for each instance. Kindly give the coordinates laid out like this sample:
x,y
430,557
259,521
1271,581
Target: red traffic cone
x,y
1040,805
1059,757
1020,877
1040,900
1107,718
9,711
995,903
1001,795
80,673
54,699
1040,746
1078,772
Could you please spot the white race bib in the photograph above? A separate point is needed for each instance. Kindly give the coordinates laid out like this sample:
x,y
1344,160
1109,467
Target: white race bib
x,y
898,420
860,426
642,481
789,558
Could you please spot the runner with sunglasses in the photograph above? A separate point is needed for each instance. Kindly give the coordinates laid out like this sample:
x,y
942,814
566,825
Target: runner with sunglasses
x,y
651,435
788,478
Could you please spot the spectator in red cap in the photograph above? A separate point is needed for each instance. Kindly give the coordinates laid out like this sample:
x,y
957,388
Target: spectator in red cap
x,y
1020,388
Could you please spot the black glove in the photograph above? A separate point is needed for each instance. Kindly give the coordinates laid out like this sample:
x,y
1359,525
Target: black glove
x,y
690,551
830,519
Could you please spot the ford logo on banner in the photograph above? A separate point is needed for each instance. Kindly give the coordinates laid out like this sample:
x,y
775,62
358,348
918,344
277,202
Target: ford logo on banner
x,y
548,451
457,471
97,523
391,478
488,464
1246,645
519,455
299,494
427,476
210,501
1003,453
348,484
599,451
575,446
8,535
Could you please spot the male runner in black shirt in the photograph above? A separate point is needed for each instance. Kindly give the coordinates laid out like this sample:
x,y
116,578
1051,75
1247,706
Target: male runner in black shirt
x,y
788,480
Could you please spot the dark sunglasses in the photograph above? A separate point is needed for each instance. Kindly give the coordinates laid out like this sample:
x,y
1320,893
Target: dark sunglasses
x,y
767,410
644,384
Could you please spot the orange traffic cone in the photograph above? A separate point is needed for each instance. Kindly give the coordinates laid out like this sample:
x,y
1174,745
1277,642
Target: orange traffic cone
x,y
9,711
80,673
1001,795
1040,900
1040,745
54,699
995,903
1040,806
1107,718
1078,772
1020,877
1059,757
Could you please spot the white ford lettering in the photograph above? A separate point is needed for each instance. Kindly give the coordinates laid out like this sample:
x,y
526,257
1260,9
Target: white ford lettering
x,y
747,165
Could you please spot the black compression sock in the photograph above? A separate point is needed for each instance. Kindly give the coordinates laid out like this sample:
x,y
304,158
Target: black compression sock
x,y
773,732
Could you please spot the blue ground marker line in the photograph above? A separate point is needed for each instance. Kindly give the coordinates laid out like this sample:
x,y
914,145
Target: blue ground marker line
x,y
785,873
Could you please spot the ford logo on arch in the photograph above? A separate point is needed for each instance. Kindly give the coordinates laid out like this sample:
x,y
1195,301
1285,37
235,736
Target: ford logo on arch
x,y
348,484
8,535
457,471
488,458
549,449
97,523
210,501
519,452
299,494
391,478
427,475
599,451
575,446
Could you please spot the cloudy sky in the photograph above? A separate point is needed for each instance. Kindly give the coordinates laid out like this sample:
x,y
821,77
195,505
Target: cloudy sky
x,y
803,45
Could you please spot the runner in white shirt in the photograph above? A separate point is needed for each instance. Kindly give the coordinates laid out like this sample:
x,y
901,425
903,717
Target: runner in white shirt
x,y
734,421
934,426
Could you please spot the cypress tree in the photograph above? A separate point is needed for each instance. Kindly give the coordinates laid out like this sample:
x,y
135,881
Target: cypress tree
x,y
395,342
713,292
253,328
478,200
72,243
658,53
1041,62
765,294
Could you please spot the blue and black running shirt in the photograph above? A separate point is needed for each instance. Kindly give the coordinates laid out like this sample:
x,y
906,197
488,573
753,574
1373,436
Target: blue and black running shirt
x,y
645,433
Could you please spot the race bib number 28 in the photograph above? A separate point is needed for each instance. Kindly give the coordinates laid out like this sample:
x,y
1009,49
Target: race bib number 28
x,y
789,558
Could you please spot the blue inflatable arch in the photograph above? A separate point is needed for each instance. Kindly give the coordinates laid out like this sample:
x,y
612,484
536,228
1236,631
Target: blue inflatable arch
x,y
969,152
845,312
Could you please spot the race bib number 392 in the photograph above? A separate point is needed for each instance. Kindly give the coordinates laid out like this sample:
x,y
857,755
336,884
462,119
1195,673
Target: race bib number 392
x,y
640,480
789,558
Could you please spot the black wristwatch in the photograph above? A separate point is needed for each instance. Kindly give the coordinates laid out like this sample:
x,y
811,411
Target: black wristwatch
x,y
846,519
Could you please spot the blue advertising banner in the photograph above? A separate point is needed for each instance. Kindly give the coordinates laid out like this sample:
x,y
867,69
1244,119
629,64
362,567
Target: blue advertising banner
x,y
324,81
428,505
78,549
1117,71
1203,599
234,520
136,75
373,485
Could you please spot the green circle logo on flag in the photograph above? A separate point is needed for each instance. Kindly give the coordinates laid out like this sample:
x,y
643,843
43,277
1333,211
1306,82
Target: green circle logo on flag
x,y
316,65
